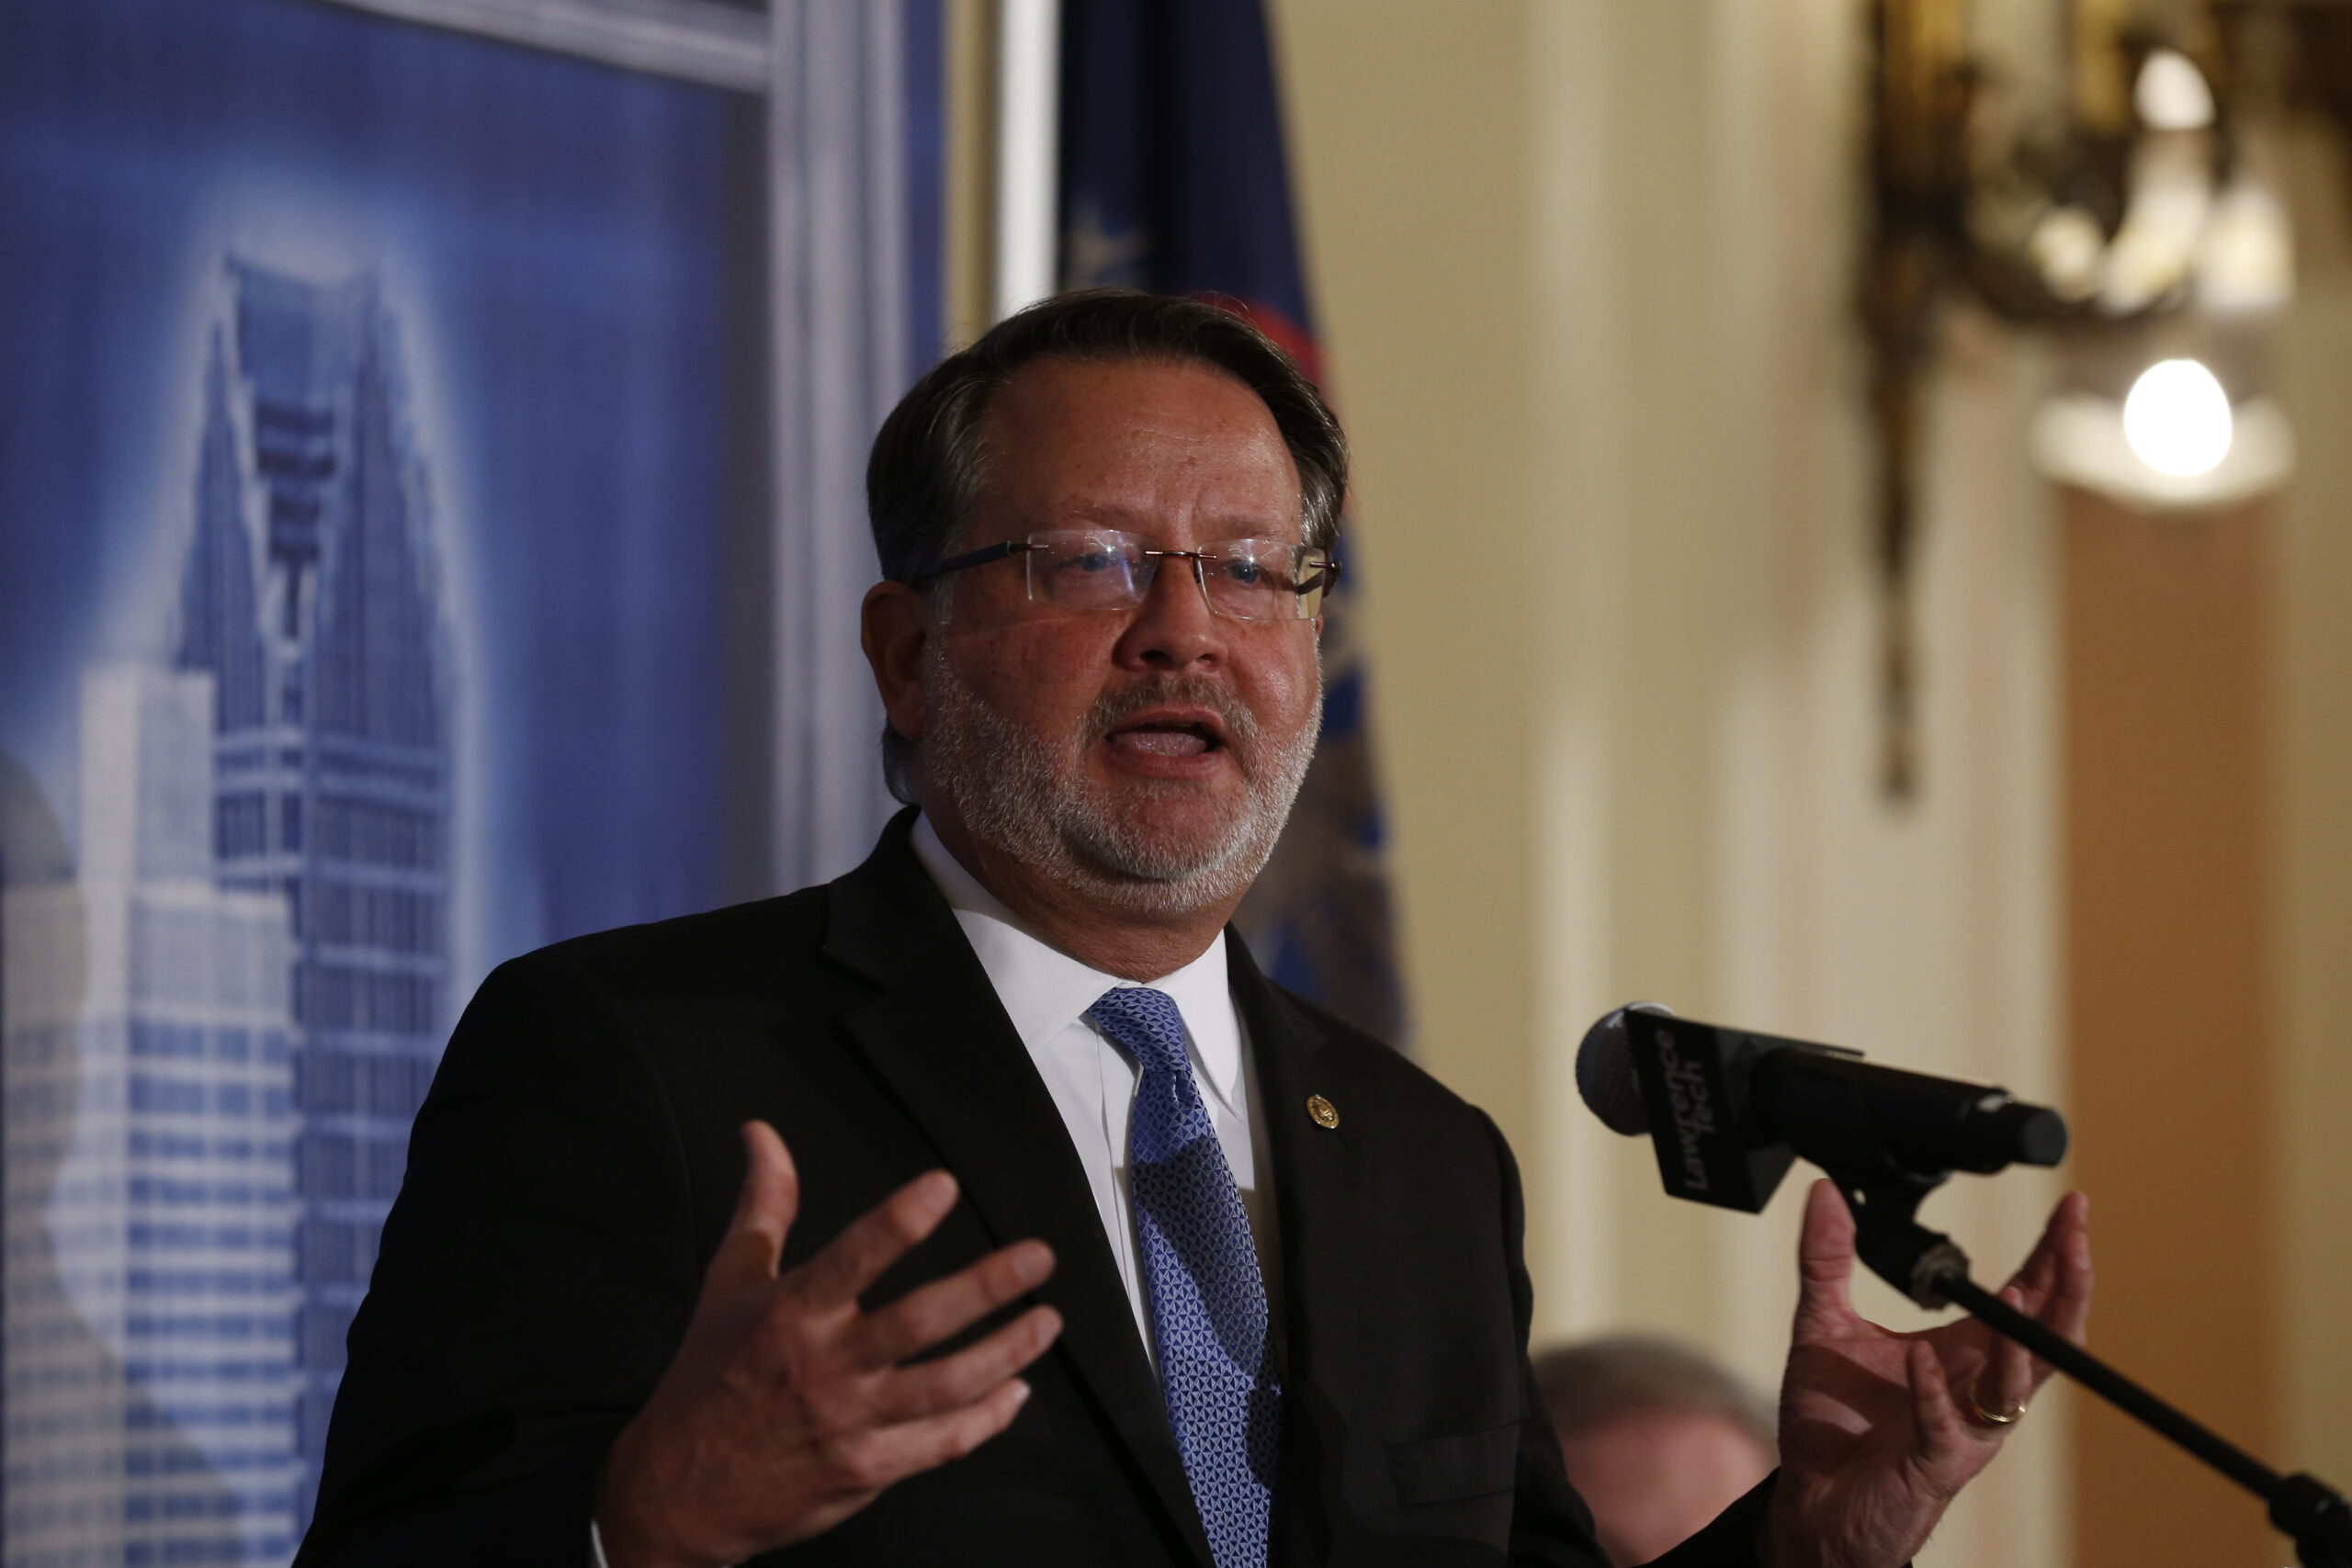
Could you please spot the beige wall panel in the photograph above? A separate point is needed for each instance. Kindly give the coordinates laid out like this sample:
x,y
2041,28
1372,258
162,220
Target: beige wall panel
x,y
1409,167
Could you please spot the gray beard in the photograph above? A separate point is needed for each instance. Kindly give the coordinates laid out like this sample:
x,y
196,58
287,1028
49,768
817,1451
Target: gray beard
x,y
1028,798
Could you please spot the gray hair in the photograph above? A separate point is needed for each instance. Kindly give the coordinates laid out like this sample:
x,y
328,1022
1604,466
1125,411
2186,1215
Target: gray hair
x,y
929,461
1595,1381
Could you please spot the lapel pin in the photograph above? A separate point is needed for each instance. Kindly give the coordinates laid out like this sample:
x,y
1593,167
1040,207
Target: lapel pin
x,y
1322,1112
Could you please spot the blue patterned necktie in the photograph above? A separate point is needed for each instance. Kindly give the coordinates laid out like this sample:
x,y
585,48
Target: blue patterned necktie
x,y
1200,1271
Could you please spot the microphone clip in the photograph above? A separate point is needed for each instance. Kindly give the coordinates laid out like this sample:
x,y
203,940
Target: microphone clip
x,y
1889,1239
1883,1193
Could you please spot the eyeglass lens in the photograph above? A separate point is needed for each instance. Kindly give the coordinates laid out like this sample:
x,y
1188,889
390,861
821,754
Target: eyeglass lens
x,y
1248,580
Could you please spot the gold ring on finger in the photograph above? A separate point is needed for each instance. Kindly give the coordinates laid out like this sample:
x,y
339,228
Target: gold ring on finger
x,y
1990,1417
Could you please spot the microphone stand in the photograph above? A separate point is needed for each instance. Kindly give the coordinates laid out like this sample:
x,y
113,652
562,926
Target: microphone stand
x,y
1929,1268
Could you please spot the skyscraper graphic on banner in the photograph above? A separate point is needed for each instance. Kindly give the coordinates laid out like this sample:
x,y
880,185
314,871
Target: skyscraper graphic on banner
x,y
311,597
1173,178
208,1131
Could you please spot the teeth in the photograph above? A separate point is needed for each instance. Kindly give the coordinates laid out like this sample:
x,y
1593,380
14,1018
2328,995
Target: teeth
x,y
1163,742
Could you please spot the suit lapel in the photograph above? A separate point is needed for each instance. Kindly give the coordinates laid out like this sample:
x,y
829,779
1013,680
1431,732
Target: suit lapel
x,y
1320,1196
938,1037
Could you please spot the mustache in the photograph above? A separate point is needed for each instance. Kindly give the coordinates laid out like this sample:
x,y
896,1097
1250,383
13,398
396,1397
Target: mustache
x,y
1113,709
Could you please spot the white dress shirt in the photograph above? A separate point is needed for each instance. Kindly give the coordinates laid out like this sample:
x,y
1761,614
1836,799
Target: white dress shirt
x,y
1046,993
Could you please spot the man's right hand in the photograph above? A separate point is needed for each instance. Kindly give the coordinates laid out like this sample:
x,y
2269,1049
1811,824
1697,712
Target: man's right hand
x,y
789,1408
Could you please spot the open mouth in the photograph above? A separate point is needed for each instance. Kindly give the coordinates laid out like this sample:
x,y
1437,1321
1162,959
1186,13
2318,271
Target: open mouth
x,y
1169,735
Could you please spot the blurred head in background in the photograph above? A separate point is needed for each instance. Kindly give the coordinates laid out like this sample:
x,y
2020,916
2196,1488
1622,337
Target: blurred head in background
x,y
1657,1437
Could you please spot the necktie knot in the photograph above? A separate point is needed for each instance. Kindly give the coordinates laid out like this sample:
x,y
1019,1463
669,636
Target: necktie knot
x,y
1168,1116
1146,1024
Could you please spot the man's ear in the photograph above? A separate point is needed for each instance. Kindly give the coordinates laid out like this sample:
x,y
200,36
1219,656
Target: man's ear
x,y
891,631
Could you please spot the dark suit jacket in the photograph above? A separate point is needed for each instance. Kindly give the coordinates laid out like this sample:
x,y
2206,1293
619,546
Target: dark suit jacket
x,y
577,1161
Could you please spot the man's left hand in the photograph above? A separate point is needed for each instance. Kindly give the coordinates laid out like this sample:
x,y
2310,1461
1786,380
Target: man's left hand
x,y
1880,1431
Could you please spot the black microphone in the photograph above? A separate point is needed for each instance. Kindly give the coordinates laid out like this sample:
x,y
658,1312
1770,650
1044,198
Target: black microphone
x,y
1729,1109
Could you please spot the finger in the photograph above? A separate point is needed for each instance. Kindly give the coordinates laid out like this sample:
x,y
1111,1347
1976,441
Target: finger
x,y
2068,1309
852,1260
944,1308
1825,1263
2038,1275
1944,1435
2007,1379
871,1460
972,1373
764,1212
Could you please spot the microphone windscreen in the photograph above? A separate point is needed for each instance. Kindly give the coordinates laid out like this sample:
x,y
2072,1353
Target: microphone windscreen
x,y
1605,1072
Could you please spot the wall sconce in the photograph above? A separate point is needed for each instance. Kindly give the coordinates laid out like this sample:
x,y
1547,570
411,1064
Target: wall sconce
x,y
2142,228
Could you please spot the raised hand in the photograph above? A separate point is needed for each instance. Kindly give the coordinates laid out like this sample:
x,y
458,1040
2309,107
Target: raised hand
x,y
1878,1431
788,1408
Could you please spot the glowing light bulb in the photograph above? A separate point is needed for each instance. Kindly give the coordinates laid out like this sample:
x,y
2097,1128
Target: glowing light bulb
x,y
2172,93
2177,419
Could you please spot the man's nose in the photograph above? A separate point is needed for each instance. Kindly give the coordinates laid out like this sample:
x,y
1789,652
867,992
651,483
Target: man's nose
x,y
1172,628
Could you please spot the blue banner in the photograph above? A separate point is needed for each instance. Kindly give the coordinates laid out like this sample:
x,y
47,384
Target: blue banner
x,y
1173,178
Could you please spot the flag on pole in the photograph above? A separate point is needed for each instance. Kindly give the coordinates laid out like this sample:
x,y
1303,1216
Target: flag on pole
x,y
1173,179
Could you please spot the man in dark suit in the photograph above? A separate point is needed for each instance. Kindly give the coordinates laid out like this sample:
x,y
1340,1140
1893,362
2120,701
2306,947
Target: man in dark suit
x,y
1091,1246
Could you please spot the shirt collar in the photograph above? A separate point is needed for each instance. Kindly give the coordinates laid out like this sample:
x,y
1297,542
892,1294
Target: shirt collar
x,y
1045,990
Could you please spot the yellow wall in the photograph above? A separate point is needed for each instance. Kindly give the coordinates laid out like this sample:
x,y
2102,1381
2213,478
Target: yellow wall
x,y
1584,270
2171,1039
1582,267
2312,840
